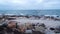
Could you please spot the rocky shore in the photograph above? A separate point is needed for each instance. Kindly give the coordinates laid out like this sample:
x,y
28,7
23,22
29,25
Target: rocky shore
x,y
36,24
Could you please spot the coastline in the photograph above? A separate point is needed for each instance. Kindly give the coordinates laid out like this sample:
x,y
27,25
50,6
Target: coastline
x,y
49,21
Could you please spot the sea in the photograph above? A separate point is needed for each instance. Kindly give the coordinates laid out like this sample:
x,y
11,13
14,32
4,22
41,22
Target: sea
x,y
31,12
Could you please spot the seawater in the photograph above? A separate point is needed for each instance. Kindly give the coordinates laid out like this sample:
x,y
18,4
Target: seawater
x,y
31,12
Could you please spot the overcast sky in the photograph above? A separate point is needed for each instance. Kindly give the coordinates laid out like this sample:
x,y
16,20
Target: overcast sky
x,y
29,4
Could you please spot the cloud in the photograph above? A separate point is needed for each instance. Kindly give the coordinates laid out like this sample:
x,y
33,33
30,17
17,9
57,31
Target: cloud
x,y
29,4
22,2
52,4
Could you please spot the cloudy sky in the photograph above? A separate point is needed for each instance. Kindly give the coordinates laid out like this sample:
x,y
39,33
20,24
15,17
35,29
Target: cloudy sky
x,y
29,4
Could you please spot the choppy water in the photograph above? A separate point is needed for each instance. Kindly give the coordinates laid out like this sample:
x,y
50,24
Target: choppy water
x,y
31,12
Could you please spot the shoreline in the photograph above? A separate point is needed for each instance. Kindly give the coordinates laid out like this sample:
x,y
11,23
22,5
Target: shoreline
x,y
24,20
